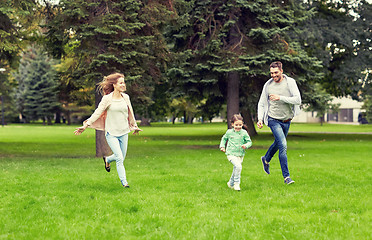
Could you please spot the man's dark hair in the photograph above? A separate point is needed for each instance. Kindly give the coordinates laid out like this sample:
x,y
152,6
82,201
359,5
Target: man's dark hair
x,y
276,64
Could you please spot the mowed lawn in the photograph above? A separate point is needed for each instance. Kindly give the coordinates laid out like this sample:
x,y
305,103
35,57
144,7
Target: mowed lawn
x,y
53,186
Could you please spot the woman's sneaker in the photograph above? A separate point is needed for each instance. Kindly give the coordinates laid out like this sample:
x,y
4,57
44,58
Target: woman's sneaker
x,y
229,185
288,180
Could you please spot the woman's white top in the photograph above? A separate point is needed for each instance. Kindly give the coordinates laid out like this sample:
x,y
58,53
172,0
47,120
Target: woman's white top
x,y
117,118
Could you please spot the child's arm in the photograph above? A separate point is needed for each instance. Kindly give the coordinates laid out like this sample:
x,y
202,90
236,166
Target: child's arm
x,y
247,142
223,142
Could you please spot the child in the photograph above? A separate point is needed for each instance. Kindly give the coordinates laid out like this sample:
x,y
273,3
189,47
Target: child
x,y
237,141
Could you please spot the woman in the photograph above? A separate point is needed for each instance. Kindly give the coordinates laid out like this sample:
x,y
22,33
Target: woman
x,y
115,116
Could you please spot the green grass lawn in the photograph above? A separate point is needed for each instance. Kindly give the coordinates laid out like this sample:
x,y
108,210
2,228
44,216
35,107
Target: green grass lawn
x,y
52,186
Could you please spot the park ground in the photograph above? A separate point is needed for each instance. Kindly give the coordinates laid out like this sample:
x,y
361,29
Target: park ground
x,y
53,186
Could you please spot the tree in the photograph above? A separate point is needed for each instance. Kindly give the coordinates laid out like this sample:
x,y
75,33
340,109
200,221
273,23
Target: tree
x,y
20,77
183,107
367,106
18,27
321,103
224,48
211,107
367,96
111,36
339,36
40,88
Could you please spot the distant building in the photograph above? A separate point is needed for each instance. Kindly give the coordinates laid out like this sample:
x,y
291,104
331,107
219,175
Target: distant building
x,y
348,113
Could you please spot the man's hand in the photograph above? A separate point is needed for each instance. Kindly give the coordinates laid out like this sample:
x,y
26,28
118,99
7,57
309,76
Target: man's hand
x,y
223,149
274,97
259,124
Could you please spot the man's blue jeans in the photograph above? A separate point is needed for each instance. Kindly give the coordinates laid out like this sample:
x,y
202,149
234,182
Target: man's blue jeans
x,y
280,132
119,147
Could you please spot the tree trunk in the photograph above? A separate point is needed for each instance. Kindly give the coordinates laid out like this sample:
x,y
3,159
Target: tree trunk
x,y
145,121
246,114
49,121
68,117
58,117
189,119
102,148
232,95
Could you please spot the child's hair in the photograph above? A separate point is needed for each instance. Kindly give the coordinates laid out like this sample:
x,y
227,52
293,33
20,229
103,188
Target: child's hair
x,y
237,117
107,85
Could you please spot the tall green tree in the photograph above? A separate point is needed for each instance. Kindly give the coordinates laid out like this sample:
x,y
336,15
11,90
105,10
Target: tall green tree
x,y
339,35
364,20
17,29
111,36
21,78
225,48
40,88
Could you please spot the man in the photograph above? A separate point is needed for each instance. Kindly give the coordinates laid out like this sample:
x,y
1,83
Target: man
x,y
279,102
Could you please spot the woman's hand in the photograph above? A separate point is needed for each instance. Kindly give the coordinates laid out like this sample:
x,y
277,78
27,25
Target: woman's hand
x,y
136,131
80,130
223,149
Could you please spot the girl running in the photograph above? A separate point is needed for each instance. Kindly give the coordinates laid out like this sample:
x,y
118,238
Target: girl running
x,y
237,141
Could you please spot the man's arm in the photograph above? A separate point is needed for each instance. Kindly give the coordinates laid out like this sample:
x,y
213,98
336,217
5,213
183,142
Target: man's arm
x,y
295,99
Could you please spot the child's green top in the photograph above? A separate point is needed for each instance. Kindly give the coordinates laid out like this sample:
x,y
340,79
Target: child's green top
x,y
235,140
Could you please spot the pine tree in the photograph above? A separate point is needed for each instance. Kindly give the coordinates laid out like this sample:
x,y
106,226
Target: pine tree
x,y
225,48
111,36
20,77
40,92
19,21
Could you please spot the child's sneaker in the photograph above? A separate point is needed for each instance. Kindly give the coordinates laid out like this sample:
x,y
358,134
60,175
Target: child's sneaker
x,y
288,180
229,185
237,187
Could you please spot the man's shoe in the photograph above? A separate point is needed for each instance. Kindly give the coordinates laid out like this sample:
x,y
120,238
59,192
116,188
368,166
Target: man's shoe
x,y
288,180
266,165
229,185
237,187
